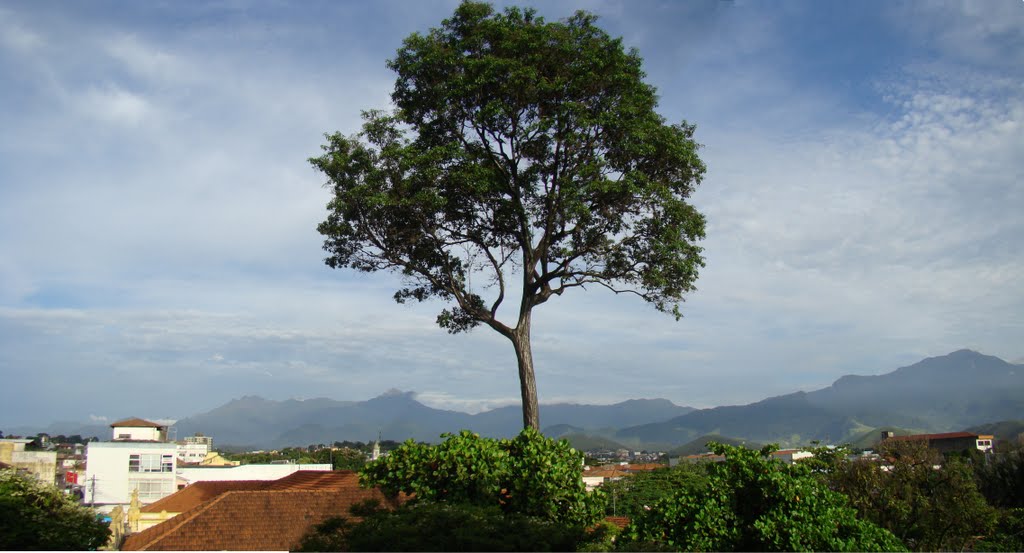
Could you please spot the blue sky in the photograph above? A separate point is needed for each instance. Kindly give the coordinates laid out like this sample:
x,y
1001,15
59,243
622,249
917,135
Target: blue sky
x,y
158,252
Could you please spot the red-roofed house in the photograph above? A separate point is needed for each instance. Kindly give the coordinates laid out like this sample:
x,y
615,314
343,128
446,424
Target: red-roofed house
x,y
272,518
139,430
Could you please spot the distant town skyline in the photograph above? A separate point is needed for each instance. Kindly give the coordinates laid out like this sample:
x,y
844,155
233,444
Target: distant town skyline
x,y
158,244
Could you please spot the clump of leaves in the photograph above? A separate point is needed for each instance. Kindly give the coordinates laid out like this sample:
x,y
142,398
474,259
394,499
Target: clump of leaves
x,y
530,475
755,503
35,516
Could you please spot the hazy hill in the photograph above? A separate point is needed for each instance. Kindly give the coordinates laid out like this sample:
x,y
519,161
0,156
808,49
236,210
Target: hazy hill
x,y
585,442
949,392
507,421
257,422
784,419
938,394
1005,431
699,446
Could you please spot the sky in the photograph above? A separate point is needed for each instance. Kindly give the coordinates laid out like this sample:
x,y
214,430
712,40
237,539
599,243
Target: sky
x,y
158,244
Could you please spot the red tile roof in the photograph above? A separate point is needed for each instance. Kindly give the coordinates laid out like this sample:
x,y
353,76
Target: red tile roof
x,y
257,520
317,480
200,492
136,422
621,522
638,467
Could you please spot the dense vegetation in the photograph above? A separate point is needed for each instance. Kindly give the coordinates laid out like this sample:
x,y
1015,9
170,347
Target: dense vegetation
x,y
751,502
35,516
472,493
930,503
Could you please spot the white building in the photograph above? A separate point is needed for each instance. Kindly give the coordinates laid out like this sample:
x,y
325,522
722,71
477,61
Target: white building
x,y
194,449
139,458
137,429
274,471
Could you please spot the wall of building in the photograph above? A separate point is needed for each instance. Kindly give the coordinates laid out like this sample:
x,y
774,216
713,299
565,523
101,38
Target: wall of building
x,y
245,472
109,478
41,464
137,433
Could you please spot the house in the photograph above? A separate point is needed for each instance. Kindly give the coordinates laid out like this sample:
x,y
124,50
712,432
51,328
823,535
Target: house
x,y
949,442
273,516
194,449
190,497
594,477
140,430
40,464
138,458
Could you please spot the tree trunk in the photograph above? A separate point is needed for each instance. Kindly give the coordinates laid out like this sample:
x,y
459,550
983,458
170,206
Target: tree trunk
x,y
527,382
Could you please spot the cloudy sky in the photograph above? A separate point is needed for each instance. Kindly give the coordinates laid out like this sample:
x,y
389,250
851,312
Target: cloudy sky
x,y
158,251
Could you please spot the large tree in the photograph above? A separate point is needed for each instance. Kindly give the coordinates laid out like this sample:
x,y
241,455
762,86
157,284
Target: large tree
x,y
522,158
37,516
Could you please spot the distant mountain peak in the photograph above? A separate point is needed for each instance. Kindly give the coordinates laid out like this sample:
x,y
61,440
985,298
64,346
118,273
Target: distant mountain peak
x,y
395,392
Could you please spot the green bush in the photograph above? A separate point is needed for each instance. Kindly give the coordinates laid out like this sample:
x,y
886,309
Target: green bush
x,y
430,526
35,516
529,475
755,503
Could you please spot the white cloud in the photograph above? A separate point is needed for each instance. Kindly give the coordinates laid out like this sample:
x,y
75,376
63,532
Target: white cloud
x,y
16,36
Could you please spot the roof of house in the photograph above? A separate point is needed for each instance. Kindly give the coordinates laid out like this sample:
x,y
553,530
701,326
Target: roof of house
x,y
136,422
317,480
605,473
200,492
621,522
933,437
637,467
253,520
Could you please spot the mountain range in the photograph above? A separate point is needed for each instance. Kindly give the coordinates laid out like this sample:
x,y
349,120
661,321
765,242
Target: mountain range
x,y
947,393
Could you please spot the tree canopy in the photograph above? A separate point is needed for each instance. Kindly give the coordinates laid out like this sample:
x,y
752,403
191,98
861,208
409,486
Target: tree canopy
x,y
34,516
523,158
752,502
529,475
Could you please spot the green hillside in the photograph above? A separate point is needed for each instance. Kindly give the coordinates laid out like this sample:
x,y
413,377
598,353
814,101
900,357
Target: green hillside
x,y
698,446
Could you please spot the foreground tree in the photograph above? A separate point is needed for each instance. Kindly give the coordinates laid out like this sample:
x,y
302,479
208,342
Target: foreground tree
x,y
430,526
930,503
527,475
752,502
630,497
524,157
34,516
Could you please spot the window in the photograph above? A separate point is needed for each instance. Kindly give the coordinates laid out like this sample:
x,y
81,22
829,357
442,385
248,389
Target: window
x,y
124,436
151,490
150,462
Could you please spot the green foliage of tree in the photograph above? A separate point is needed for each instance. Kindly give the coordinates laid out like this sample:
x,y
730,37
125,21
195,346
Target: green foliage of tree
x,y
524,159
1008,534
1000,477
928,508
755,503
35,516
632,495
447,526
529,475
